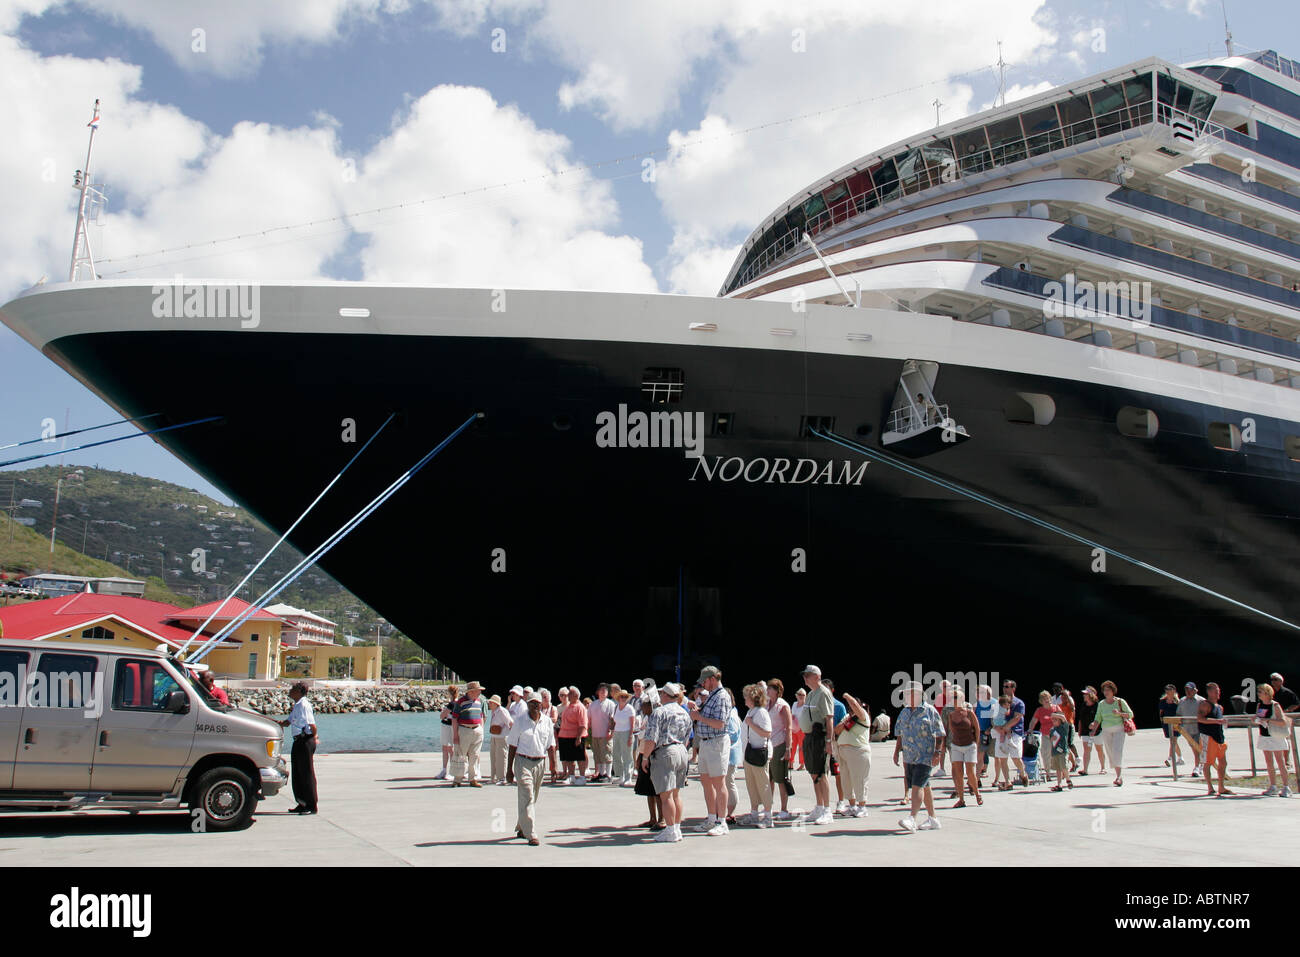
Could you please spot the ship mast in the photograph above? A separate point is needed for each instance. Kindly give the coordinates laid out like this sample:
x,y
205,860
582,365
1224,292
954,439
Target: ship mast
x,y
81,254
1227,31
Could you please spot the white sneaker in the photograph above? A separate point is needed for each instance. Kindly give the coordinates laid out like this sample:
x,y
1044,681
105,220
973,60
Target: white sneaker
x,y
907,823
707,825
1271,792
860,811
841,807
1284,793
824,818
930,824
578,779
718,830
441,775
782,815
764,821
1196,771
668,835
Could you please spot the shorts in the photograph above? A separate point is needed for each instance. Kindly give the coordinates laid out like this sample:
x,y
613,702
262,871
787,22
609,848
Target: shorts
x,y
964,753
1012,746
814,749
715,756
916,775
447,740
778,767
668,768
1059,762
1214,751
573,749
1273,743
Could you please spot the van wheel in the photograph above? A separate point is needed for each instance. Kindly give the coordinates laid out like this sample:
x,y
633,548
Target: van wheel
x,y
225,797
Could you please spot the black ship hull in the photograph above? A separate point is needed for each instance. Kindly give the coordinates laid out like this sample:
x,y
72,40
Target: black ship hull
x,y
528,553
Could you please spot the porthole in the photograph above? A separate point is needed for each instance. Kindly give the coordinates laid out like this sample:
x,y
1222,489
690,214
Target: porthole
x,y
1137,423
1032,408
1292,445
562,423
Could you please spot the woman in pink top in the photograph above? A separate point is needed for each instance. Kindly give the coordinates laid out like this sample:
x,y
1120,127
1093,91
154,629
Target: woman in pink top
x,y
573,738
779,767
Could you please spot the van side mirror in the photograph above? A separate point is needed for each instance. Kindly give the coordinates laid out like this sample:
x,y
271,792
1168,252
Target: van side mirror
x,y
176,702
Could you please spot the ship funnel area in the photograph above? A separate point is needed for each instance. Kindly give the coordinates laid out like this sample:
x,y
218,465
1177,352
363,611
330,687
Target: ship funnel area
x,y
917,423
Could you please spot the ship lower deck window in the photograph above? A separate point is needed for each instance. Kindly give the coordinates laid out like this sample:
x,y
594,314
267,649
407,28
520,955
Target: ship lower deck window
x,y
1031,408
662,385
822,423
723,423
1292,445
1225,436
1138,423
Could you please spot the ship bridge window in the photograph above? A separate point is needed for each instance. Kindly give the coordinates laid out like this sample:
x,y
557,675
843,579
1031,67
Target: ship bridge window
x,y
1225,436
1076,118
662,385
972,149
1006,140
1137,90
1031,408
1043,129
1137,423
822,423
1108,107
886,177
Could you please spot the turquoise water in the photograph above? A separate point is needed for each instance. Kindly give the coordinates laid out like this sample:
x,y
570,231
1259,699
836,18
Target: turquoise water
x,y
386,731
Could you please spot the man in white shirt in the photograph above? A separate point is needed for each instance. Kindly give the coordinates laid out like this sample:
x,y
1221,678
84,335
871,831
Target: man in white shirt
x,y
530,739
600,719
302,728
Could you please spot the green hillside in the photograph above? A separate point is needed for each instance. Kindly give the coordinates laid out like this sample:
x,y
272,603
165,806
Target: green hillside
x,y
121,524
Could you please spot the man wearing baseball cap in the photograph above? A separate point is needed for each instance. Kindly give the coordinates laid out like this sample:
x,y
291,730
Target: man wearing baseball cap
x,y
715,748
817,721
1189,706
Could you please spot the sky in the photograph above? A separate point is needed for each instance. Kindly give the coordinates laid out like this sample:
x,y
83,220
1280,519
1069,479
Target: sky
x,y
577,144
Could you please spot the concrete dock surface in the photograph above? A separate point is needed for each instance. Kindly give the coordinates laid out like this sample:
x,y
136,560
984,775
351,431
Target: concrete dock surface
x,y
382,809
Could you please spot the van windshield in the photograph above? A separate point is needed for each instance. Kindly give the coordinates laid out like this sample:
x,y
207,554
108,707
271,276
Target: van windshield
x,y
203,693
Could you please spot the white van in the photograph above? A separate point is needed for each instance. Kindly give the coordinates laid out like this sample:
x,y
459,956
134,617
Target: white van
x,y
82,727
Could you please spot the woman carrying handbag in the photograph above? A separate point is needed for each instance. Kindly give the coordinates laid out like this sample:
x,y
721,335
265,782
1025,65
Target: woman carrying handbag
x,y
1115,719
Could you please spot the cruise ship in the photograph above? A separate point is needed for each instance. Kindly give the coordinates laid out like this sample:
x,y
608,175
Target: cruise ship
x,y
1019,396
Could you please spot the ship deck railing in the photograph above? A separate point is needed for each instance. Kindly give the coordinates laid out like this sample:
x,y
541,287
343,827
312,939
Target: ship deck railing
x,y
1094,128
907,419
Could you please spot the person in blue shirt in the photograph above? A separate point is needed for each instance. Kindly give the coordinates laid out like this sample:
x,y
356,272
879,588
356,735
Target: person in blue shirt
x,y
841,712
1016,738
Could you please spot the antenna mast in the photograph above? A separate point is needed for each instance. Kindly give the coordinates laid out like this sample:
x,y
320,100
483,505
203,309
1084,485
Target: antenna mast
x,y
1227,31
1002,78
81,255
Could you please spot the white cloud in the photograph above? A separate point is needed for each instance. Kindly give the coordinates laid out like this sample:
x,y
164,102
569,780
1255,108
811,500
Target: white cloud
x,y
172,183
548,232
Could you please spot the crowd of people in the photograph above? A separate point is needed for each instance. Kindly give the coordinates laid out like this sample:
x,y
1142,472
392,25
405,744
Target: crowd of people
x,y
646,737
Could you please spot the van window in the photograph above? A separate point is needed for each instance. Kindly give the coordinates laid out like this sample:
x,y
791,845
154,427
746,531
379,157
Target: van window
x,y
63,681
141,685
13,674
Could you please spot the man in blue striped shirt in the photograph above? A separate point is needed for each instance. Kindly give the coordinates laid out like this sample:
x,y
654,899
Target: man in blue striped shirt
x,y
715,749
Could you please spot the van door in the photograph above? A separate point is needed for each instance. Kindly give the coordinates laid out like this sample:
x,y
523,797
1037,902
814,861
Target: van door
x,y
140,747
60,721
13,677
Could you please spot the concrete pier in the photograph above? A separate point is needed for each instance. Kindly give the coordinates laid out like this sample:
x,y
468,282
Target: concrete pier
x,y
387,809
